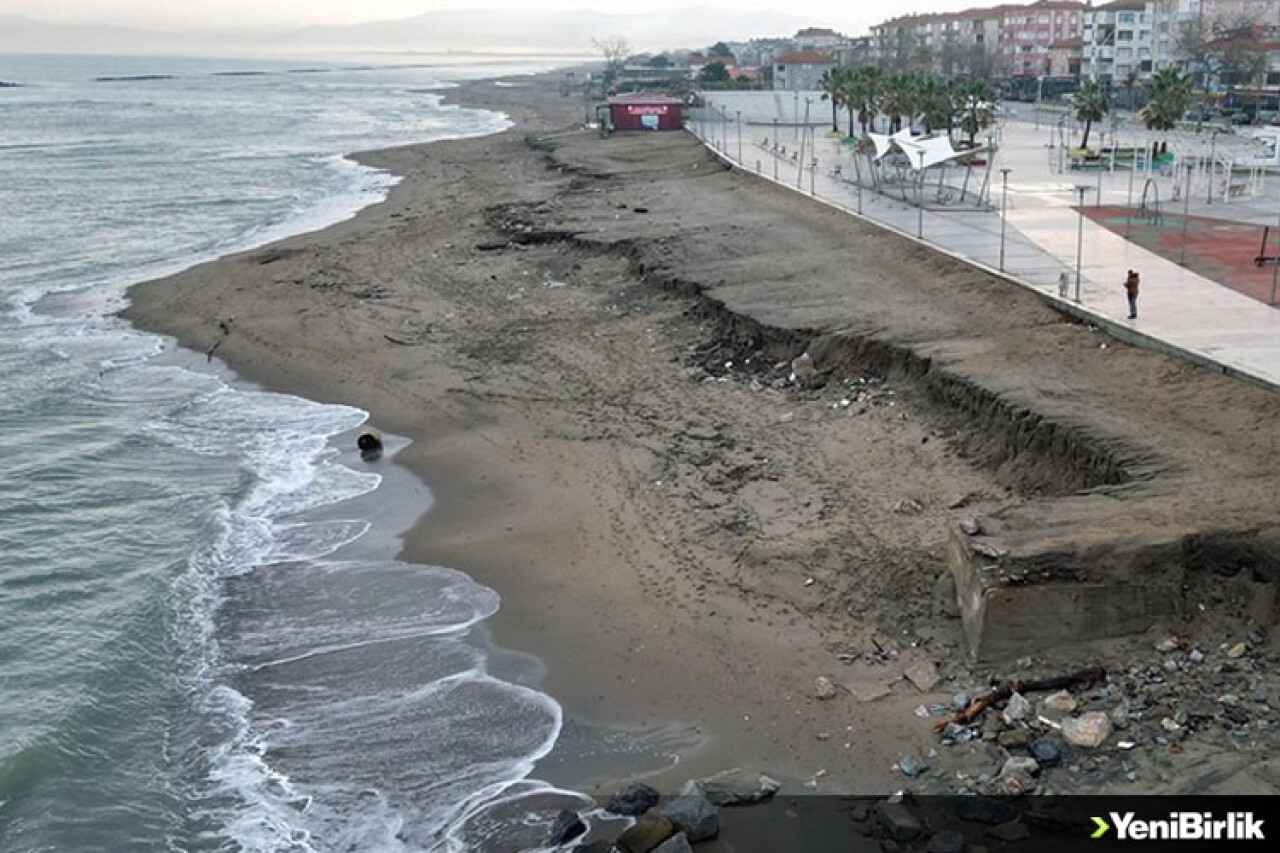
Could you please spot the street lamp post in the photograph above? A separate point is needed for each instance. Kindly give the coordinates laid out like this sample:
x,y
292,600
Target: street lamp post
x,y
1275,270
1080,190
775,149
739,136
1213,157
920,199
1128,205
1186,216
1039,95
1004,208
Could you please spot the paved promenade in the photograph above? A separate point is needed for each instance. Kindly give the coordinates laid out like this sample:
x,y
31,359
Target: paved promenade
x,y
1178,310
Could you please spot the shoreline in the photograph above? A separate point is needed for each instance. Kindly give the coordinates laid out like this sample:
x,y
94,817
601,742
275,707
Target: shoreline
x,y
698,733
688,540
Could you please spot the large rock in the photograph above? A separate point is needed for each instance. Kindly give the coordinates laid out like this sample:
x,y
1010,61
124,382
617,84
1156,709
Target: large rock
x,y
675,844
947,842
1010,832
733,787
646,834
824,688
897,820
1016,778
1014,738
1020,764
923,674
1017,708
567,826
632,799
977,809
804,371
1089,731
692,814
1059,704
1045,751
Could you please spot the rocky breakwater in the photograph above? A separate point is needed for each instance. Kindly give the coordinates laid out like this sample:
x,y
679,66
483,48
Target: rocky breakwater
x,y
653,823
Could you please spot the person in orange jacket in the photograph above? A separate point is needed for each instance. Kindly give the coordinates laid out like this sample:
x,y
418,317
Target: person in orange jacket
x,y
1131,284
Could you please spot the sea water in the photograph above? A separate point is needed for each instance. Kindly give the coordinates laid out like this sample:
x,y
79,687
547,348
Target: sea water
x,y
206,642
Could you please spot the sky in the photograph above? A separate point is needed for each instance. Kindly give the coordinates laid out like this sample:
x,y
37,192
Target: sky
x,y
258,14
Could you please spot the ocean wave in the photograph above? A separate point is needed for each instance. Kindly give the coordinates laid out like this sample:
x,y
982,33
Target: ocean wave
x,y
312,664
365,716
135,78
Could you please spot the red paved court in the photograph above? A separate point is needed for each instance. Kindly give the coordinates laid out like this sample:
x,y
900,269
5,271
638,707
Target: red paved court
x,y
1218,249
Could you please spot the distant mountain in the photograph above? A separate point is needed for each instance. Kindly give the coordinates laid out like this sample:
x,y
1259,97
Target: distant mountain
x,y
460,30
26,35
481,29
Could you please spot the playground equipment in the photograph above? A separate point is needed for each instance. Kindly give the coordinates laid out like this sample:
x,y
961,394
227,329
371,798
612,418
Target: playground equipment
x,y
1149,209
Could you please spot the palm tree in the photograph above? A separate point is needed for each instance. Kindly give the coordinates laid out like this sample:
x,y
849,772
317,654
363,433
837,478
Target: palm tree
x,y
1168,96
1091,106
832,87
899,99
935,105
862,93
974,104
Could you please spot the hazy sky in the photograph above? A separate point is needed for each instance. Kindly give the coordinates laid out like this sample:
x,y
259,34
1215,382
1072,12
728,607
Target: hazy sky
x,y
248,14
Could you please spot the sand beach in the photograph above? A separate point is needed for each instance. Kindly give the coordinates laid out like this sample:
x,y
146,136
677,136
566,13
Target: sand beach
x,y
597,349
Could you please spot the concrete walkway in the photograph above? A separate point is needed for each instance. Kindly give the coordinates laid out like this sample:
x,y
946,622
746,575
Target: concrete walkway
x,y
1179,311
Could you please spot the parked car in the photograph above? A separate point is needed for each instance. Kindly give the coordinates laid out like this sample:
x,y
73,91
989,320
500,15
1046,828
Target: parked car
x,y
1240,118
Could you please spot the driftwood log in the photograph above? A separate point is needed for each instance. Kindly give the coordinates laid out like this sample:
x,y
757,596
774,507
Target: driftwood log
x,y
1004,691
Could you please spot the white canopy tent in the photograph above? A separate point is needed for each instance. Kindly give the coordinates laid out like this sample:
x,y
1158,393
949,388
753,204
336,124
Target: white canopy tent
x,y
921,155
922,152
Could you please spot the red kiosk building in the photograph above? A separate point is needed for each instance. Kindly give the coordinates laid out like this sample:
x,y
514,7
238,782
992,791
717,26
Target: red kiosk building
x,y
642,111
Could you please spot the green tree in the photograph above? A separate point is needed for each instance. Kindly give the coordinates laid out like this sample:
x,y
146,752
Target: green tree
x,y
899,100
660,62
832,90
974,104
720,50
936,105
714,72
1168,96
862,90
1091,106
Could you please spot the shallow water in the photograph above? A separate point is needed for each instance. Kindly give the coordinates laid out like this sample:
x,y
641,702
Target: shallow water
x,y
205,640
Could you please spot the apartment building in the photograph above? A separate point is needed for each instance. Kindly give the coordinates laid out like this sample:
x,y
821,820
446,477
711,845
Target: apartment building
x,y
820,38
1028,32
1125,41
801,70
1012,38
904,43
